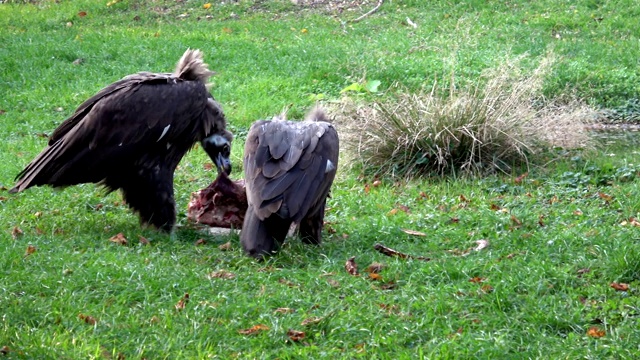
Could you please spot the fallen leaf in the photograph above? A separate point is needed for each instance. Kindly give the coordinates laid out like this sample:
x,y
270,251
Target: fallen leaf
x,y
605,197
311,321
404,208
222,274
207,5
87,319
333,283
367,188
30,250
486,288
351,266
540,220
583,271
82,14
553,200
143,240
119,239
392,212
207,166
454,220
295,335
515,221
577,212
287,283
377,183
284,311
595,332
413,232
476,279
254,329
620,286
633,221
5,350
463,198
519,179
225,247
494,207
388,285
304,31
482,244
227,30
375,268
200,242
183,302
16,232
37,214
375,276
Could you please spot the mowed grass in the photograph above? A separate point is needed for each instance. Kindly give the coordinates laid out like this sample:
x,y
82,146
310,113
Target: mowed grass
x,y
558,238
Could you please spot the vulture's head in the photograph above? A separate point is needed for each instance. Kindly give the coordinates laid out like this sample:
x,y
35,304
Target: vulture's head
x,y
218,147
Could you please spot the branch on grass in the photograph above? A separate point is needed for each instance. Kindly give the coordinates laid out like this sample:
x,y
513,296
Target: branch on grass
x,y
394,253
369,12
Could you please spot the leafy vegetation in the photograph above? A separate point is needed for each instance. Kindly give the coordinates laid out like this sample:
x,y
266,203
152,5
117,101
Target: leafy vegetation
x,y
559,277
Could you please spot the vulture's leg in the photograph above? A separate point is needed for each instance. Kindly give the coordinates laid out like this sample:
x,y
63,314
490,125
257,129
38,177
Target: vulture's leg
x,y
310,228
150,193
260,238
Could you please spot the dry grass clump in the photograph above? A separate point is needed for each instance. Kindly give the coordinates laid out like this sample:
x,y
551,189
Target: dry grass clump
x,y
499,124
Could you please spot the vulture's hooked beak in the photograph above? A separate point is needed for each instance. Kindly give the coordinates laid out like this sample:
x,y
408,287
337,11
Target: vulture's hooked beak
x,y
218,147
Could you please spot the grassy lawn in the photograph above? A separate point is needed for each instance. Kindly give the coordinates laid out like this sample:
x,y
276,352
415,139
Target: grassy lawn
x,y
562,242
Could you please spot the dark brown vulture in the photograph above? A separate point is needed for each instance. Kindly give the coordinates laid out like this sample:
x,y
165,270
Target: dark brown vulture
x,y
131,136
289,168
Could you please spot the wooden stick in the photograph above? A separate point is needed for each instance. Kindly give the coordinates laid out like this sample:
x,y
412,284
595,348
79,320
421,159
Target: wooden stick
x,y
369,12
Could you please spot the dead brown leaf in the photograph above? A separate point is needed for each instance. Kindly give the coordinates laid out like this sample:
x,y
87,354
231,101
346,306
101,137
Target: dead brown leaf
x,y
375,268
284,310
207,166
620,286
494,207
254,329
476,279
30,250
376,183
16,232
595,332
351,266
333,283
82,14
375,277
413,232
390,285
288,283
88,319
5,350
200,242
182,302
553,200
607,198
119,239
519,179
463,198
515,221
225,247
404,208
143,240
312,320
222,274
295,335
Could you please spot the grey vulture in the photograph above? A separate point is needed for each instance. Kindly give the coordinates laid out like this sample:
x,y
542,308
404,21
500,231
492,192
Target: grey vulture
x,y
131,136
289,168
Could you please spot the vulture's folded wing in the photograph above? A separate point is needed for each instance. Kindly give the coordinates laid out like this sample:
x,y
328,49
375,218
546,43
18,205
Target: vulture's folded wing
x,y
288,166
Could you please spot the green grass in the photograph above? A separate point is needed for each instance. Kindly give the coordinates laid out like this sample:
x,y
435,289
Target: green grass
x,y
538,305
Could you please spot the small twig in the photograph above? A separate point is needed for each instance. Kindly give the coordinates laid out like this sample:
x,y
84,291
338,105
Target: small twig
x,y
369,12
394,253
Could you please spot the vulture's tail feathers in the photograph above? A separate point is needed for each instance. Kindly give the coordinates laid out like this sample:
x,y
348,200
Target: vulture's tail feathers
x,y
41,170
261,238
317,114
192,67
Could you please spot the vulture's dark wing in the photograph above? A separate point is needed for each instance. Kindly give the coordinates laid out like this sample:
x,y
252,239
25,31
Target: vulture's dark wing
x,y
124,119
289,167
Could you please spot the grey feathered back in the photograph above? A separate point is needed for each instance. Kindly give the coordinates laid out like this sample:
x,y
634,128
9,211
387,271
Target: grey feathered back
x,y
289,168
